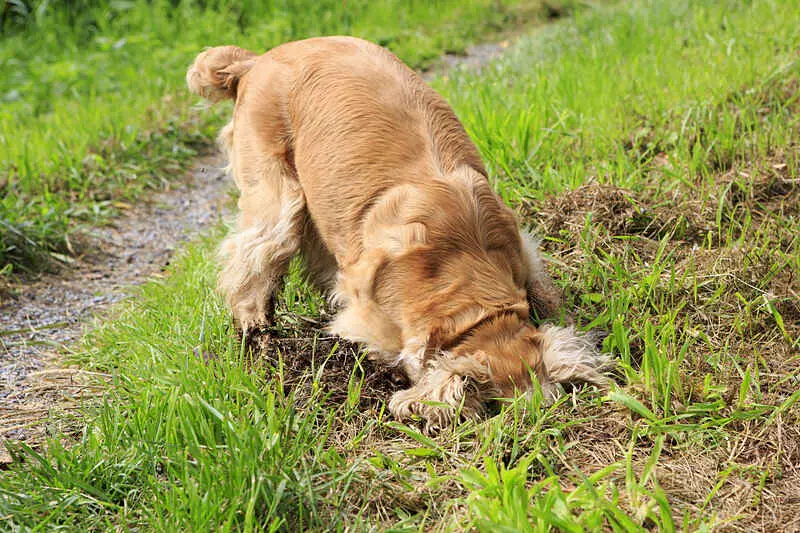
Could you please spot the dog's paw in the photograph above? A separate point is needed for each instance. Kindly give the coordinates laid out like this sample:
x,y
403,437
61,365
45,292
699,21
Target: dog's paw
x,y
253,313
434,416
256,337
252,322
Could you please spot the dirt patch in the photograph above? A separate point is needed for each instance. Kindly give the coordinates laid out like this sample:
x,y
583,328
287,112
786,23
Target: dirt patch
x,y
308,351
474,58
40,317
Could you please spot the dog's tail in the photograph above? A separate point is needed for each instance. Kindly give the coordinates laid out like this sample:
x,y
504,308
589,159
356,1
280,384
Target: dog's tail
x,y
216,72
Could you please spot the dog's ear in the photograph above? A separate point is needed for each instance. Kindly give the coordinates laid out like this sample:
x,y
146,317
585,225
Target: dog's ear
x,y
544,297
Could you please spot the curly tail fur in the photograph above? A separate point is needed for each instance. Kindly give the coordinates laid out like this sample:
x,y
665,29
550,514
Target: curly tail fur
x,y
216,72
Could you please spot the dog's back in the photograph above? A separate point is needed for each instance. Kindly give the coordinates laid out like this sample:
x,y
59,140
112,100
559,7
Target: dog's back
x,y
360,123
379,153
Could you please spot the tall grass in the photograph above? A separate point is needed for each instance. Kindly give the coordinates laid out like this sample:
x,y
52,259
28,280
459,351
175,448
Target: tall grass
x,y
703,81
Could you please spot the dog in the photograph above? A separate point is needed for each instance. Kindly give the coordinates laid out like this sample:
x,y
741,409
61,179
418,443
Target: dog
x,y
344,155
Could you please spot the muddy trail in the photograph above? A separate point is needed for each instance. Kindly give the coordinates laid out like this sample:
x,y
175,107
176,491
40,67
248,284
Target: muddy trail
x,y
41,317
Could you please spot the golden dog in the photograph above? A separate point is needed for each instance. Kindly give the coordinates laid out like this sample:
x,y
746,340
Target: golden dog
x,y
344,154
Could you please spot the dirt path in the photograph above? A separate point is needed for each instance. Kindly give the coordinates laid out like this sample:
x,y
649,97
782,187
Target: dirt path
x,y
475,58
49,312
44,316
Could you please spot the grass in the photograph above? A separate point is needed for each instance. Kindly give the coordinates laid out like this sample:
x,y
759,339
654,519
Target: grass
x,y
654,144
94,109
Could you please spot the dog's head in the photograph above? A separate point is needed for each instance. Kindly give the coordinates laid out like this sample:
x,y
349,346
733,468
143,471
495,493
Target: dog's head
x,y
507,349
494,359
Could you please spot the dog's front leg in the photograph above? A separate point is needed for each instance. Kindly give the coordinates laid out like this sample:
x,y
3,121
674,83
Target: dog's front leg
x,y
439,397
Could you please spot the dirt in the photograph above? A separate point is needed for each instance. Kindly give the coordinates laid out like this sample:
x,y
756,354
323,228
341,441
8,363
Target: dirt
x,y
42,316
474,58
342,359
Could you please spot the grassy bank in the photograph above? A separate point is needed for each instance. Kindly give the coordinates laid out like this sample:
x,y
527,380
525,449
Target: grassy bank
x,y
654,144
94,109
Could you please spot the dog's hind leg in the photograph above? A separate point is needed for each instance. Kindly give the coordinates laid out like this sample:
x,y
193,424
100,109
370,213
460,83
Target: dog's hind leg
x,y
269,233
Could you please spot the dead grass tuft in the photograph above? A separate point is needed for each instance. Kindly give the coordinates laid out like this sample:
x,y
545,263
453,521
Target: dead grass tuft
x,y
618,212
45,404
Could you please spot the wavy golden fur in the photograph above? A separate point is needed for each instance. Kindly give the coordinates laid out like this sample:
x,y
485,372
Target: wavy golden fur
x,y
345,155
